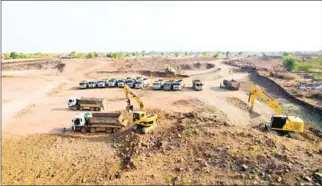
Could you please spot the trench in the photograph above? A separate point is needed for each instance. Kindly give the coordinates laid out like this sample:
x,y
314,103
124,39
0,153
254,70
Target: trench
x,y
311,115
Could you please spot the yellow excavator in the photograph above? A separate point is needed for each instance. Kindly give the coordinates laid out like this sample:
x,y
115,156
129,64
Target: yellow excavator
x,y
143,122
172,71
280,124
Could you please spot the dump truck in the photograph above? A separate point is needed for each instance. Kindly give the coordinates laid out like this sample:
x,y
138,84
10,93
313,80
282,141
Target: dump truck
x,y
178,85
168,85
112,82
94,104
92,84
101,84
121,82
197,84
130,83
158,84
99,122
83,85
142,83
230,85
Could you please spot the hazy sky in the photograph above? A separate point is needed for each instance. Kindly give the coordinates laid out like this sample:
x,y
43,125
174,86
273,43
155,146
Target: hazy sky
x,y
160,25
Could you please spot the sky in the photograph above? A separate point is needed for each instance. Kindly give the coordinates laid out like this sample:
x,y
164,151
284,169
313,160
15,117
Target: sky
x,y
102,26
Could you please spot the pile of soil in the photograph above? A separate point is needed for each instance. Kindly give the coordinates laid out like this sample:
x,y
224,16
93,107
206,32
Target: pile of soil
x,y
34,65
237,103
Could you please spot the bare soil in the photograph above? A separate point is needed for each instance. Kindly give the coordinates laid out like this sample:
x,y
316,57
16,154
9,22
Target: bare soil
x,y
204,137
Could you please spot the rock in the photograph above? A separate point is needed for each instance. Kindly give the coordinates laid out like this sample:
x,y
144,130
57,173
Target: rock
x,y
84,180
176,180
244,167
261,174
74,164
318,177
179,135
148,154
179,160
118,175
199,160
279,179
179,169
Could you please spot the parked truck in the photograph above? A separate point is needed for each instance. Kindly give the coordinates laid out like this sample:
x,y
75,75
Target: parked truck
x,y
178,85
102,83
130,83
93,104
197,84
121,82
142,83
168,85
230,84
112,82
158,84
99,122
83,85
92,84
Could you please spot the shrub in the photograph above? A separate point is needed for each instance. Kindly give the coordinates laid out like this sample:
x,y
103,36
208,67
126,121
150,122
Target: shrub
x,y
176,54
304,67
14,55
290,64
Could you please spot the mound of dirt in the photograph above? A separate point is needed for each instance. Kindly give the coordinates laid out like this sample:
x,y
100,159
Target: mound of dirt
x,y
237,103
34,65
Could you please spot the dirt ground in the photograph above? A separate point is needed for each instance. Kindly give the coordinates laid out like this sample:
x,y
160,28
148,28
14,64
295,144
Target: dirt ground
x,y
204,137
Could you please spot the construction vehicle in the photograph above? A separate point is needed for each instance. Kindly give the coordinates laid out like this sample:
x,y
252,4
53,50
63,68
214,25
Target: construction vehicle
x,y
169,69
92,84
280,124
142,83
197,84
96,122
83,85
121,82
143,122
112,82
130,83
93,104
230,84
168,85
158,84
178,85
101,84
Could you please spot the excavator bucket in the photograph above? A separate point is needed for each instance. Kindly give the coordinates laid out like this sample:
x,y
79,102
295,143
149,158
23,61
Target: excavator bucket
x,y
129,107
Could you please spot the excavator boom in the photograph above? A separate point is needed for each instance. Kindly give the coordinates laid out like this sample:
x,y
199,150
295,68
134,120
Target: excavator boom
x,y
129,107
270,101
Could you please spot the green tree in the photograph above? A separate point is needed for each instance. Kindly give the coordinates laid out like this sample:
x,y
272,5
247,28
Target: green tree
x,y
285,54
240,53
204,53
6,55
72,54
162,54
186,53
80,55
92,55
290,64
143,53
133,54
217,55
176,54
14,55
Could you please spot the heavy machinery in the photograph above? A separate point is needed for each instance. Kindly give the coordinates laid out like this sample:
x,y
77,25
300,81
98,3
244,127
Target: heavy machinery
x,y
83,85
143,122
230,84
93,104
158,84
280,124
95,122
172,71
197,84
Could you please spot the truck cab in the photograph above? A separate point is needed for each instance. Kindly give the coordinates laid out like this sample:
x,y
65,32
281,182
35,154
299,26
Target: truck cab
x,y
92,84
158,84
197,84
112,82
130,83
168,85
121,82
83,85
178,85
101,84
142,83
80,119
72,102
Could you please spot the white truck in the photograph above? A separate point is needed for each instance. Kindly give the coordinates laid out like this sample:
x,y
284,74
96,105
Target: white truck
x,y
102,84
178,85
92,84
121,82
80,103
112,82
83,84
158,84
197,84
142,83
96,122
130,83
168,85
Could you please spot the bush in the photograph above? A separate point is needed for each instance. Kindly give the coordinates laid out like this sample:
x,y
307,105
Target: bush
x,y
217,56
304,67
290,64
14,55
204,54
176,54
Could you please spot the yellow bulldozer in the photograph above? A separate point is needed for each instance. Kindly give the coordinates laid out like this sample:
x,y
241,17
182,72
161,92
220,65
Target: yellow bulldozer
x,y
143,122
280,124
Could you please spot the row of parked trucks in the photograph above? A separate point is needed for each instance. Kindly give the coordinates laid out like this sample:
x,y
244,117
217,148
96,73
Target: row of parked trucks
x,y
138,82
